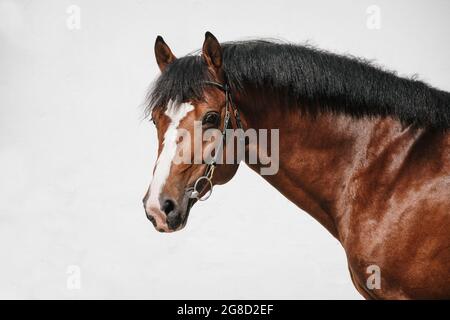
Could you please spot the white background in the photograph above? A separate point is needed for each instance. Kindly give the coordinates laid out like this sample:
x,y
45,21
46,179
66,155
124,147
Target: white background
x,y
76,157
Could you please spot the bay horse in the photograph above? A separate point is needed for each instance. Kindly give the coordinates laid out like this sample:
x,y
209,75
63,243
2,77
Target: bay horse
x,y
362,150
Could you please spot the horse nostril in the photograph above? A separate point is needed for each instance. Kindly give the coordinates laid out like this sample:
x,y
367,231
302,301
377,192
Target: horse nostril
x,y
168,206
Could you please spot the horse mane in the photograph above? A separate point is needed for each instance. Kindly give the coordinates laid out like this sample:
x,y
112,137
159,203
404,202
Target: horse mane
x,y
311,79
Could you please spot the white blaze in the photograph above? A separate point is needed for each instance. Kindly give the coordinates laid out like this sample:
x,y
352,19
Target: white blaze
x,y
176,113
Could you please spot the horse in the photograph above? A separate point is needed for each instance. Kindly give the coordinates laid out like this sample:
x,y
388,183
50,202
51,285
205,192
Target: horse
x,y
362,150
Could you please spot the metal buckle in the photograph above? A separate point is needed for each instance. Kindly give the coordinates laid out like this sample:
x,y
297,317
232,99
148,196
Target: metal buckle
x,y
208,177
196,193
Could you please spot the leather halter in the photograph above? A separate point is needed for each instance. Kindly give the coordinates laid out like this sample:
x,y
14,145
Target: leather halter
x,y
209,172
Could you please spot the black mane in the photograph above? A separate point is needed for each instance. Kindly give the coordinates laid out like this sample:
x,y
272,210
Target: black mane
x,y
306,77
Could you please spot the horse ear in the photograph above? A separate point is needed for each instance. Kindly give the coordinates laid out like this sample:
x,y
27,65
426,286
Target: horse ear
x,y
212,52
163,54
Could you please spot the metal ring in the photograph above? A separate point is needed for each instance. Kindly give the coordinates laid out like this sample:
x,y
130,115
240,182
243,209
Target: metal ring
x,y
195,193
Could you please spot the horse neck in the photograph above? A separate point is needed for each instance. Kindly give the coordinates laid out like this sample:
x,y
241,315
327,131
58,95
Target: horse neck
x,y
320,157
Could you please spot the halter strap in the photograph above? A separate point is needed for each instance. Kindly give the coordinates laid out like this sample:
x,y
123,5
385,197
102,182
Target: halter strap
x,y
223,87
228,100
209,171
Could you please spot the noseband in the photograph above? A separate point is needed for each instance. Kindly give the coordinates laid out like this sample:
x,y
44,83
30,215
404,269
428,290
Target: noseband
x,y
209,172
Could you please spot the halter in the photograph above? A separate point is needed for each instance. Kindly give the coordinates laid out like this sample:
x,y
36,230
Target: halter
x,y
209,171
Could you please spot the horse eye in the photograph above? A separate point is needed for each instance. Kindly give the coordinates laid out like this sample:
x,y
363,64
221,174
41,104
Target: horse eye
x,y
211,119
153,120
